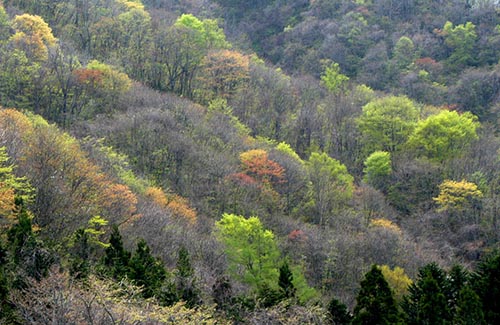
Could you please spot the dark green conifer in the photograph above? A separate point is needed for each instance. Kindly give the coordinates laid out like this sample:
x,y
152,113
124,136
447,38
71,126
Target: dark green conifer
x,y
185,280
116,258
285,281
486,283
146,271
338,313
469,309
375,303
427,301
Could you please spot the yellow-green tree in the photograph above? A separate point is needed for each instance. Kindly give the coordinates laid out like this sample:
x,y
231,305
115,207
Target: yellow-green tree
x,y
332,185
445,135
251,250
386,123
457,196
398,281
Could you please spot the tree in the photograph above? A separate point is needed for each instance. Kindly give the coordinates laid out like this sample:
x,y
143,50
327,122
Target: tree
x,y
33,35
398,281
486,283
331,183
377,169
404,53
146,271
11,188
427,302
461,42
116,258
185,280
457,196
251,250
445,135
222,73
375,303
285,281
386,123
208,33
469,308
333,79
338,313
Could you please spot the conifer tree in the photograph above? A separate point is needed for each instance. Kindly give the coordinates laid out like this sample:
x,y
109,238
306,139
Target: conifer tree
x,y
185,280
486,283
375,303
427,302
146,270
285,281
338,313
116,258
469,309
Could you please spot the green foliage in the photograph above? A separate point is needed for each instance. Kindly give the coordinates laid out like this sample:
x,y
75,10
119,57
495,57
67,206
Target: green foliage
x,y
445,135
377,169
185,280
404,53
251,250
11,187
146,271
208,33
333,79
285,281
116,258
486,283
338,313
461,40
29,253
4,25
427,302
469,308
331,183
375,303
386,123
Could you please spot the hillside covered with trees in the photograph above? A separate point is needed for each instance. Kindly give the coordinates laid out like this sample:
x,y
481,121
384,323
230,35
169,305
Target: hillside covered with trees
x,y
249,162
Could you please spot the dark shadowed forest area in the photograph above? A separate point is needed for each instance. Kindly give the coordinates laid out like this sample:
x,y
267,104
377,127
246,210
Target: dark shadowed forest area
x,y
249,162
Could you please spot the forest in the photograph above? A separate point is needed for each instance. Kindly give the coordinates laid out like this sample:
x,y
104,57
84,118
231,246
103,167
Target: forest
x,y
249,162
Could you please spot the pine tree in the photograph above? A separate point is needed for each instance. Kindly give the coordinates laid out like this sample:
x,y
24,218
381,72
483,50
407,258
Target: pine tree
x,y
285,281
116,258
185,280
427,302
146,271
375,303
469,309
338,313
486,283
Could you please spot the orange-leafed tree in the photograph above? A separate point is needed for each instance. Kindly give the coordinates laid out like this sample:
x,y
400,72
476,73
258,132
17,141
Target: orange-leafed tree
x,y
118,202
176,204
256,164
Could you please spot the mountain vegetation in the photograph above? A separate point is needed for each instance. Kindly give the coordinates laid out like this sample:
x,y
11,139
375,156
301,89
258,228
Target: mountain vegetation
x,y
253,162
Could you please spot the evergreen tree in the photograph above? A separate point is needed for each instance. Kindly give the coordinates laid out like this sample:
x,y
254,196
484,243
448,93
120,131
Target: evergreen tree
x,y
285,281
375,303
80,253
30,256
469,309
146,270
486,283
116,258
185,280
338,313
427,302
